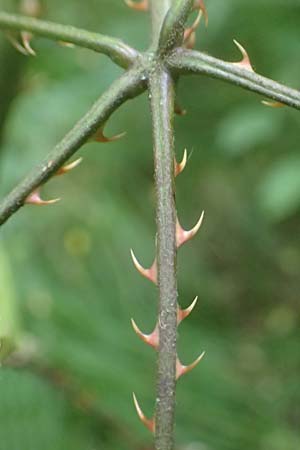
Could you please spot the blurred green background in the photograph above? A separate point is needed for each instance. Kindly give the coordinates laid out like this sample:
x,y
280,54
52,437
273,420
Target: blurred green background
x,y
67,284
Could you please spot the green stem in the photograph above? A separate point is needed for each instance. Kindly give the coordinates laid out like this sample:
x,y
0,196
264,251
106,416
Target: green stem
x,y
159,9
120,53
162,105
129,85
173,26
183,62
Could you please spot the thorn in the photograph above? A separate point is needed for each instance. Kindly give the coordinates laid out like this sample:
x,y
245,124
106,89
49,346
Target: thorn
x,y
182,236
179,167
65,169
151,273
150,339
99,136
142,5
35,199
273,104
245,63
149,423
26,39
16,44
179,111
199,4
182,370
189,37
66,44
183,313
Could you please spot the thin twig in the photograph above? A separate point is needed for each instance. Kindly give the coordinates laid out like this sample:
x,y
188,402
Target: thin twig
x,y
186,62
122,54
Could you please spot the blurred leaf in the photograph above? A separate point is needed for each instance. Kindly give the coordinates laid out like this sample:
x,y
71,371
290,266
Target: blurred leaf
x,y
279,191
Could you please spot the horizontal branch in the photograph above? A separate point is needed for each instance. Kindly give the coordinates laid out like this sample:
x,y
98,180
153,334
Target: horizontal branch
x,y
129,85
184,61
120,53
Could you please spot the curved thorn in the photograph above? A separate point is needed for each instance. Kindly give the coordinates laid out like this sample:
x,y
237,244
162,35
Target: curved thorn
x,y
183,313
182,370
100,137
35,199
151,273
199,4
65,169
150,339
245,63
273,104
149,423
26,39
16,44
179,167
190,33
142,5
183,236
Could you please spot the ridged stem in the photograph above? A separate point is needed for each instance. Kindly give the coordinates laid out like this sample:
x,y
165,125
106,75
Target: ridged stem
x,y
162,106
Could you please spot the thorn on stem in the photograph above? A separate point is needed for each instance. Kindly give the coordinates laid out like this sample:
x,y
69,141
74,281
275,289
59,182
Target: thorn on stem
x,y
100,137
151,273
149,423
273,104
26,40
245,63
35,199
182,370
179,167
183,236
183,313
150,339
179,111
199,4
189,37
65,169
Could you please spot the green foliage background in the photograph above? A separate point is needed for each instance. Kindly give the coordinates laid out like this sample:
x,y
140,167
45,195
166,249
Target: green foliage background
x,y
68,287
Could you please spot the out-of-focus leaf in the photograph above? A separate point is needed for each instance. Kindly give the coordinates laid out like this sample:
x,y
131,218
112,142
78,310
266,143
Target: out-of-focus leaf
x,y
279,191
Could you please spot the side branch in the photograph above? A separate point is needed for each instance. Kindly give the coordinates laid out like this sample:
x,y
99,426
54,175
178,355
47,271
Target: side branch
x,y
185,62
162,107
129,85
120,53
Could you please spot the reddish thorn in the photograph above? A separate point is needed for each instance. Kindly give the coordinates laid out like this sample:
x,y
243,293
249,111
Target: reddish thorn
x,y
150,339
149,423
26,39
273,104
182,236
65,169
182,370
151,273
245,63
100,137
199,4
142,5
183,313
35,199
179,167
189,37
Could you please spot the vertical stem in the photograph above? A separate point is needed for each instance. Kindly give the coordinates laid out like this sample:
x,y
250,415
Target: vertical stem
x,y
162,105
159,9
